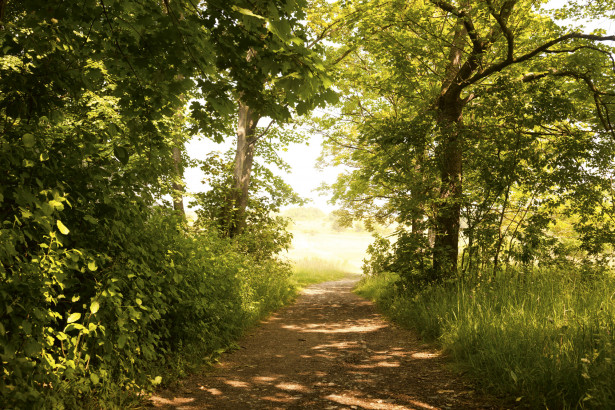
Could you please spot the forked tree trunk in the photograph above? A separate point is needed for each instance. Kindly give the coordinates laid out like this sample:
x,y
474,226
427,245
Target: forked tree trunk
x,y
449,116
244,160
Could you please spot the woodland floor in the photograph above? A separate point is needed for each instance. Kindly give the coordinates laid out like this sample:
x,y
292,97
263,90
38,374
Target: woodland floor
x,y
329,350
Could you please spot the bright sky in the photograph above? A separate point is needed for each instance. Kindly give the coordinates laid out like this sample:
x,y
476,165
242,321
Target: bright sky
x,y
304,177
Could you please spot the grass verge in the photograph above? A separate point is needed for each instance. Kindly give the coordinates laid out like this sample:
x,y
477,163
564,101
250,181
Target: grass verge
x,y
308,271
543,339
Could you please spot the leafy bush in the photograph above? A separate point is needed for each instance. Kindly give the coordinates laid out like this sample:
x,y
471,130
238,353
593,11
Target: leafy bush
x,y
102,286
106,329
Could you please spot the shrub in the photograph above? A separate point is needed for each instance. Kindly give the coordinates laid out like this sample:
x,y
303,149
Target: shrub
x,y
80,334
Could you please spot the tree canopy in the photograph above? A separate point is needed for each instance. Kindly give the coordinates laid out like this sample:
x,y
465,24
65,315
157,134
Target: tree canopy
x,y
482,128
484,113
97,98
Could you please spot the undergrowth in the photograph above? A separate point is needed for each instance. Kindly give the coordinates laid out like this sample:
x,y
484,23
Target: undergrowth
x,y
542,339
104,333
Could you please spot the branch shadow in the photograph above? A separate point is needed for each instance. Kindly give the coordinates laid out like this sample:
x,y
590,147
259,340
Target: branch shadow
x,y
330,350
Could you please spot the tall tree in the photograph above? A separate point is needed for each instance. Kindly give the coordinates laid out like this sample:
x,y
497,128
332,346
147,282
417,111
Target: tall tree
x,y
244,160
276,75
442,58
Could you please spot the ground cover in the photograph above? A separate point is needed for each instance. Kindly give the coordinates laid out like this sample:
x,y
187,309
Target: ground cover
x,y
543,338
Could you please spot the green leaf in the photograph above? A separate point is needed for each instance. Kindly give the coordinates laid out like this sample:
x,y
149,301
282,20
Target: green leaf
x,y
157,380
94,307
73,317
92,266
121,154
63,229
56,204
94,377
90,219
32,347
28,140
121,341
247,12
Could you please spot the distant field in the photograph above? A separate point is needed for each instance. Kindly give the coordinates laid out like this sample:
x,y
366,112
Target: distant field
x,y
316,236
346,249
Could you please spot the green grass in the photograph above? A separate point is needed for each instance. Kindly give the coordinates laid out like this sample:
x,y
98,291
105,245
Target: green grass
x,y
311,270
543,339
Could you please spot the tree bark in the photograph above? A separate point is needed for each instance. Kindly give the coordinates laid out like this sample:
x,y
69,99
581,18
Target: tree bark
x,y
2,12
449,116
177,185
448,212
244,160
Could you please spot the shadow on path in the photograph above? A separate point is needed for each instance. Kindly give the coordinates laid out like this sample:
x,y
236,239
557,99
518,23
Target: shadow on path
x,y
330,350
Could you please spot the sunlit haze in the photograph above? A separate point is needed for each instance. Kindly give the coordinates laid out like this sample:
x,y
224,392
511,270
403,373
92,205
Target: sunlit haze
x,y
304,178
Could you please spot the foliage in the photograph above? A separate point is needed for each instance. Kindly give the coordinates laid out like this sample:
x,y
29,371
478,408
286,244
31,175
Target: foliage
x,y
304,213
266,234
542,338
379,257
70,340
459,117
100,284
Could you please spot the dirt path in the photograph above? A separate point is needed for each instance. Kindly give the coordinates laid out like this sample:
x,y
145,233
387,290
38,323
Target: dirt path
x,y
330,350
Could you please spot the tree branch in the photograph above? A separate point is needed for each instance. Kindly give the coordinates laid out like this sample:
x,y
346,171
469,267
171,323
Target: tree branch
x,y
117,44
477,43
600,106
527,56
572,50
343,56
262,134
502,20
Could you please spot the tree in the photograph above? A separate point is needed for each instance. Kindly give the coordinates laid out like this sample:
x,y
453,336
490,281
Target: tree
x,y
441,59
276,74
89,135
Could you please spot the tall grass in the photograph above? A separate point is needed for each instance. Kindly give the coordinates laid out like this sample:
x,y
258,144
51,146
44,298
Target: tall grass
x,y
312,270
542,339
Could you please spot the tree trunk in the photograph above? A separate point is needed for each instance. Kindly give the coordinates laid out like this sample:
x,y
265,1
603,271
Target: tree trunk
x,y
177,185
244,159
446,245
449,116
2,12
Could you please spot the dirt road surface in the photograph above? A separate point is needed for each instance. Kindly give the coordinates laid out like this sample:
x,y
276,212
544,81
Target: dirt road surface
x,y
329,350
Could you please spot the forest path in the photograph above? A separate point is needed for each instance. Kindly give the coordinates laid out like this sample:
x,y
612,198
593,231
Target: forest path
x,y
329,350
